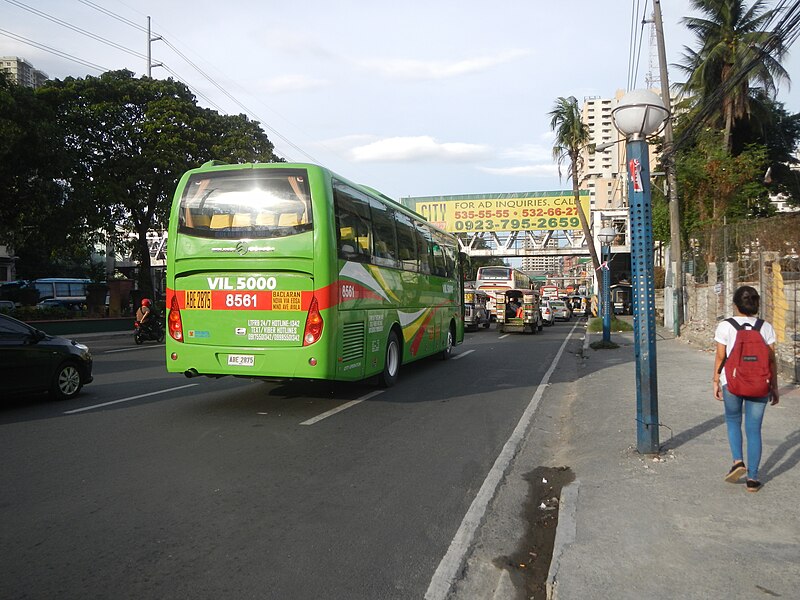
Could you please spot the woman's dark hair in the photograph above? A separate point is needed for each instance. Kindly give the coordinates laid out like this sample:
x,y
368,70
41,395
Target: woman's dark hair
x,y
746,300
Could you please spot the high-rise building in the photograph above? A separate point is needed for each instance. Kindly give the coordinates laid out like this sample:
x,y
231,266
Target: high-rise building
x,y
603,173
543,264
21,72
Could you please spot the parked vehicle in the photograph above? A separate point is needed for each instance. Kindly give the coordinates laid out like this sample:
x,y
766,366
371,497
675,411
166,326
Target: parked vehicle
x,y
33,361
476,309
548,318
7,305
154,332
67,304
62,288
524,317
561,311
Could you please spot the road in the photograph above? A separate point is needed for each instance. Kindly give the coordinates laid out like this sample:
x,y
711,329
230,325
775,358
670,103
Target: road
x,y
151,485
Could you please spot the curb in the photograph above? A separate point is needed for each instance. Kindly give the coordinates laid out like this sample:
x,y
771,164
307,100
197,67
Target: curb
x,y
565,534
567,523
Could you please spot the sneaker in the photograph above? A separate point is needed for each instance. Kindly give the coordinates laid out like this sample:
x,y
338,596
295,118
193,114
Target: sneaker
x,y
735,474
753,486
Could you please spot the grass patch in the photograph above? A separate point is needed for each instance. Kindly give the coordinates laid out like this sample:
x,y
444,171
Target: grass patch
x,y
596,325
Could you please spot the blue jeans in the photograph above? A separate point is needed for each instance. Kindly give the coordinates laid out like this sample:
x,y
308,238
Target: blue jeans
x,y
753,416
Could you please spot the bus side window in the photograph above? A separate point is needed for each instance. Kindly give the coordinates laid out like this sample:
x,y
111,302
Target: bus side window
x,y
424,247
352,220
384,234
439,259
406,242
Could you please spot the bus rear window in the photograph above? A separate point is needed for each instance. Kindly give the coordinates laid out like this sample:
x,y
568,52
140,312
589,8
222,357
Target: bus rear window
x,y
498,273
257,203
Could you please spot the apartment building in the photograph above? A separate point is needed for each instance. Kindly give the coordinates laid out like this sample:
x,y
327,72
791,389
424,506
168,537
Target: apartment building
x,y
543,264
22,72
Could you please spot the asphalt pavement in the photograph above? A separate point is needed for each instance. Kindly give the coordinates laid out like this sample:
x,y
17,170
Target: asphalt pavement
x,y
636,526
647,527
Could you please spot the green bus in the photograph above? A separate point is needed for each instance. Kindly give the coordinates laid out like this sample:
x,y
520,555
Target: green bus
x,y
288,271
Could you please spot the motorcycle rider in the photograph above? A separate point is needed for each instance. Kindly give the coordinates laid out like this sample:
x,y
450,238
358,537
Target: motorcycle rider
x,y
146,316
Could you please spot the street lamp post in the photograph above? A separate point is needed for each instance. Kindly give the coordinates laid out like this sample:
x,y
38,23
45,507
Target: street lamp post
x,y
639,114
606,235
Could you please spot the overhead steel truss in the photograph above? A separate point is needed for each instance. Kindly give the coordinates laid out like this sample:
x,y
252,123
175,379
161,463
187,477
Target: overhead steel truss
x,y
570,242
524,243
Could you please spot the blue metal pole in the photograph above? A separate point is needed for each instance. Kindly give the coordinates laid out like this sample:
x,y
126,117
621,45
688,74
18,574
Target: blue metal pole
x,y
644,305
606,296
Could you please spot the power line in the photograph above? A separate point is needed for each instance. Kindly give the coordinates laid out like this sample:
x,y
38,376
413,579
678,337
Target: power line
x,y
113,15
80,61
784,34
210,79
88,34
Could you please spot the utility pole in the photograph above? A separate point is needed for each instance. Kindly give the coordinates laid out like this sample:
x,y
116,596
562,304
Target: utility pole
x,y
150,40
676,257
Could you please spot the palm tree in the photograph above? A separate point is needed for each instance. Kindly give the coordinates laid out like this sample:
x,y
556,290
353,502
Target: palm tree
x,y
733,52
572,135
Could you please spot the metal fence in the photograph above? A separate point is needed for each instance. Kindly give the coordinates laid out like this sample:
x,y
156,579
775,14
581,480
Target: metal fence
x,y
763,253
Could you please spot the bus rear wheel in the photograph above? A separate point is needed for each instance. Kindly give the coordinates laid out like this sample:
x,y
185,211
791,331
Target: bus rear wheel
x,y
391,366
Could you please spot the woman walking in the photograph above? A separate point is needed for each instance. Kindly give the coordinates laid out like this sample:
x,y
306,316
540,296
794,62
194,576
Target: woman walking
x,y
746,303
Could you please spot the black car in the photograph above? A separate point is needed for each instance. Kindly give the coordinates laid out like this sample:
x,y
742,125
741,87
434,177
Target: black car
x,y
33,361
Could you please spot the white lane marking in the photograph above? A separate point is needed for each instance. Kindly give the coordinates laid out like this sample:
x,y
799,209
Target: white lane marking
x,y
451,564
462,354
85,408
505,335
339,409
133,348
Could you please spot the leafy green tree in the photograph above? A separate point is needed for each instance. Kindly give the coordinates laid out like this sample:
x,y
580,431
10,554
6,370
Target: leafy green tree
x,y
40,221
572,135
734,55
129,141
717,186
779,132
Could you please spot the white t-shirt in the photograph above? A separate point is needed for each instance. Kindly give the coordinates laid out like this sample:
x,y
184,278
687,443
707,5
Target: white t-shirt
x,y
726,334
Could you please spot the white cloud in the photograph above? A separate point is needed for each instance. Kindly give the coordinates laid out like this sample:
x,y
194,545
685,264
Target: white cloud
x,y
294,83
528,152
405,149
523,171
436,69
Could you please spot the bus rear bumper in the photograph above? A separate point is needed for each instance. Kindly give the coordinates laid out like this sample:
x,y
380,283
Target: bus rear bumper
x,y
254,363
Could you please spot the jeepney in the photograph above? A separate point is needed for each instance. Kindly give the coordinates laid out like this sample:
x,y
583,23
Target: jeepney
x,y
518,311
476,309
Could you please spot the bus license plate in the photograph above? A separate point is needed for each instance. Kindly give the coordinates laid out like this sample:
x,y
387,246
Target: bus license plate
x,y
241,360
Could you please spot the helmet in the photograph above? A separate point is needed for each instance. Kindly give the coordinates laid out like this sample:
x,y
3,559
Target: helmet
x,y
145,302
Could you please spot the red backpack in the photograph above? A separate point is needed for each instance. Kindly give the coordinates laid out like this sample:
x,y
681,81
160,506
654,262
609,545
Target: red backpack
x,y
747,367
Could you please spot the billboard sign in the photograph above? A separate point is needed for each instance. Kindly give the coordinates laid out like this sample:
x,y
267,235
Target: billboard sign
x,y
527,211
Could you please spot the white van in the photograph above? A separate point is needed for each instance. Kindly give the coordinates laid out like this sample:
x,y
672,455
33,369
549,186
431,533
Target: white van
x,y
61,288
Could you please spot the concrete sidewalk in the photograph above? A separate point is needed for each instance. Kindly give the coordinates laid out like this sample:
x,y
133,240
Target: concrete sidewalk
x,y
671,527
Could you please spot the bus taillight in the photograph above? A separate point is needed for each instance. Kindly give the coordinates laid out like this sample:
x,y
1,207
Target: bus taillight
x,y
174,324
313,324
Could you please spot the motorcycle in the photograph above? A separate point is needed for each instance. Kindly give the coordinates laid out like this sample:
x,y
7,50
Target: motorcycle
x,y
153,333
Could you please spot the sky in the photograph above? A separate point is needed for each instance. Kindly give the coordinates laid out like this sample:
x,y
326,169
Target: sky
x,y
413,98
